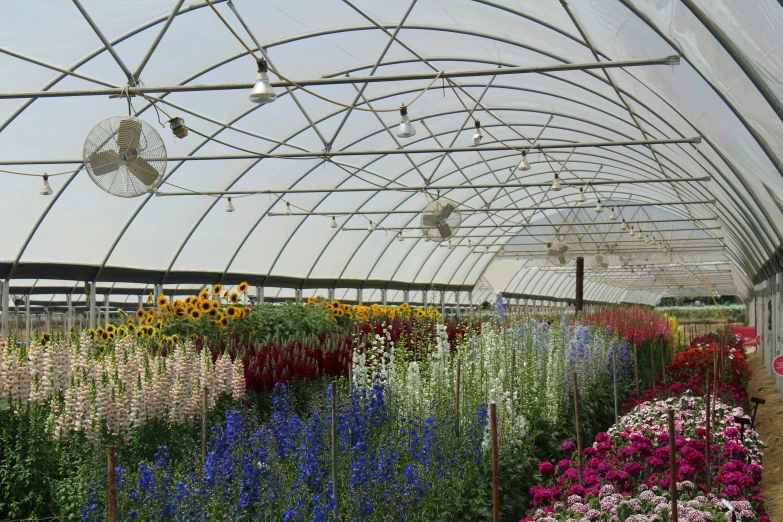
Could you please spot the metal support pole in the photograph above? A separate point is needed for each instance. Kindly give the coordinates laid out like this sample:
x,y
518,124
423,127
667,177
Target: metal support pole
x,y
93,312
580,278
384,296
48,320
406,296
470,301
298,295
331,294
106,309
443,304
260,294
69,314
28,321
360,296
5,286
456,298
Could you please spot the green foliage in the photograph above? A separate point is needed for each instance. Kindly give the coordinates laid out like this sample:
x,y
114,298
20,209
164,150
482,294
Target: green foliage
x,y
285,321
734,313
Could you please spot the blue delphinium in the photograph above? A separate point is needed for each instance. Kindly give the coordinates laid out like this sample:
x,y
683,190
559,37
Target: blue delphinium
x,y
500,310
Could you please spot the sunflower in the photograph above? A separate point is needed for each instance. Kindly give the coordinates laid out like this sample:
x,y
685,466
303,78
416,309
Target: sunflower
x,y
204,305
149,331
91,334
129,321
346,307
224,321
234,297
195,314
140,313
111,328
215,305
339,312
404,306
162,301
178,303
189,300
217,289
242,288
212,313
111,336
174,338
232,311
180,312
336,304
149,320
139,331
122,331
105,336
420,313
242,313
149,298
45,338
204,294
311,300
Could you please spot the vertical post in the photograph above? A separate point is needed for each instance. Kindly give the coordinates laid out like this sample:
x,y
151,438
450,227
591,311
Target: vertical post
x,y
298,295
28,321
91,298
470,299
577,412
106,309
459,368
707,435
443,304
614,380
260,294
334,449
652,363
204,424
112,485
359,297
5,284
456,298
672,467
331,294
406,296
493,428
384,296
636,368
663,363
580,278
48,320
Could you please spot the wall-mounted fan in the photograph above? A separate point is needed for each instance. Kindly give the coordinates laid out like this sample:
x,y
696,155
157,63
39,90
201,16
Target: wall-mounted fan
x,y
440,219
556,253
125,156
599,262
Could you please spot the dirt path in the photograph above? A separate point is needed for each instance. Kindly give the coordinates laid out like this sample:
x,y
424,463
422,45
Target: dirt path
x,y
769,424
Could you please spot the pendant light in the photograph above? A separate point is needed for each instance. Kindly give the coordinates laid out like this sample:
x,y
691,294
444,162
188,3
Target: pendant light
x,y
450,245
406,129
287,211
486,250
524,164
556,185
630,230
333,224
399,237
640,235
426,237
517,257
613,215
530,258
647,239
371,227
178,128
477,135
263,92
599,208
229,206
502,251
46,189
470,243
581,198
623,225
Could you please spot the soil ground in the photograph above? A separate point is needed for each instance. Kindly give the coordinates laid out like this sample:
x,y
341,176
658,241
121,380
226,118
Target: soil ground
x,y
769,425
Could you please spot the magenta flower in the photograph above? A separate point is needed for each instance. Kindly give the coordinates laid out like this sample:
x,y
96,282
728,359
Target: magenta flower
x,y
568,446
564,464
546,468
633,468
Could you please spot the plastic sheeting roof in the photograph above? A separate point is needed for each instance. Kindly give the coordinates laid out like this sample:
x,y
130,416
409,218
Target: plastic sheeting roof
x,y
727,90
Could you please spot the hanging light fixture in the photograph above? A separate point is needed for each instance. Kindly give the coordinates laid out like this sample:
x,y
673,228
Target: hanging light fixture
x,y
486,250
556,185
599,207
517,257
262,92
613,215
647,239
502,251
581,198
630,230
371,227
477,135
524,164
46,189
287,211
470,243
229,206
640,235
623,225
178,127
426,237
333,224
399,237
530,258
450,245
406,129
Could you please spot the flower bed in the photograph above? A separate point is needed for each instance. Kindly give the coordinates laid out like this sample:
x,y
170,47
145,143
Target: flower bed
x,y
625,473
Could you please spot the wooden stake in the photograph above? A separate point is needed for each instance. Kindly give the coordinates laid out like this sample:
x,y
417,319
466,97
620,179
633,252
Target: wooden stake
x,y
672,467
707,436
614,382
663,364
493,432
652,363
112,485
459,368
636,369
204,424
578,427
334,449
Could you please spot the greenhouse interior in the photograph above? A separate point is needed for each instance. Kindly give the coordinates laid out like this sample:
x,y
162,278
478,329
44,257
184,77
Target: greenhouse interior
x,y
505,260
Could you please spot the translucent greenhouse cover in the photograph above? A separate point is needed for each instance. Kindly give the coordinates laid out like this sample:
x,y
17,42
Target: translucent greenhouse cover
x,y
719,224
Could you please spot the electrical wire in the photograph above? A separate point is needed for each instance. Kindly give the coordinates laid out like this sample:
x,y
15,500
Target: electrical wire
x,y
40,175
308,91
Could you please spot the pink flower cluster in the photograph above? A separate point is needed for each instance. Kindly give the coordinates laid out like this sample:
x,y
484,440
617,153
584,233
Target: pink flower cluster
x,y
94,392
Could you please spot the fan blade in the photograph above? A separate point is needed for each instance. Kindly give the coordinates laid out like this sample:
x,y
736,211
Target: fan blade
x,y
563,249
429,220
103,162
128,135
446,211
562,259
143,170
445,231
604,265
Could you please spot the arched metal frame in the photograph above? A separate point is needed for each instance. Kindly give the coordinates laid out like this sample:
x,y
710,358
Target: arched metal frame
x,y
741,229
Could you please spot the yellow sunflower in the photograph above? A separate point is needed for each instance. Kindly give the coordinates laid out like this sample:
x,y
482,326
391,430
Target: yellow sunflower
x,y
231,311
139,331
140,313
242,288
311,300
215,305
195,314
129,321
339,312
178,303
110,336
217,289
162,301
149,298
234,297
122,331
336,304
204,294
180,312
45,338
105,336
111,328
212,313
150,319
204,305
224,321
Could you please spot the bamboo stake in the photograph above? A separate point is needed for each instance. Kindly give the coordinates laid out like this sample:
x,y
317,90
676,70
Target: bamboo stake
x,y
493,426
614,381
577,412
112,484
334,449
459,368
636,368
204,425
652,364
672,467
707,436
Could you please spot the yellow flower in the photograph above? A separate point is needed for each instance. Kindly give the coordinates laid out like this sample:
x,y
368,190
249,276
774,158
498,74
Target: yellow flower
x,y
242,288
234,297
179,312
178,303
162,301
336,304
122,331
212,313
45,338
215,305
217,289
311,300
111,336
339,312
231,311
204,305
223,321
195,314
404,306
140,313
129,321
111,328
204,294
150,319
